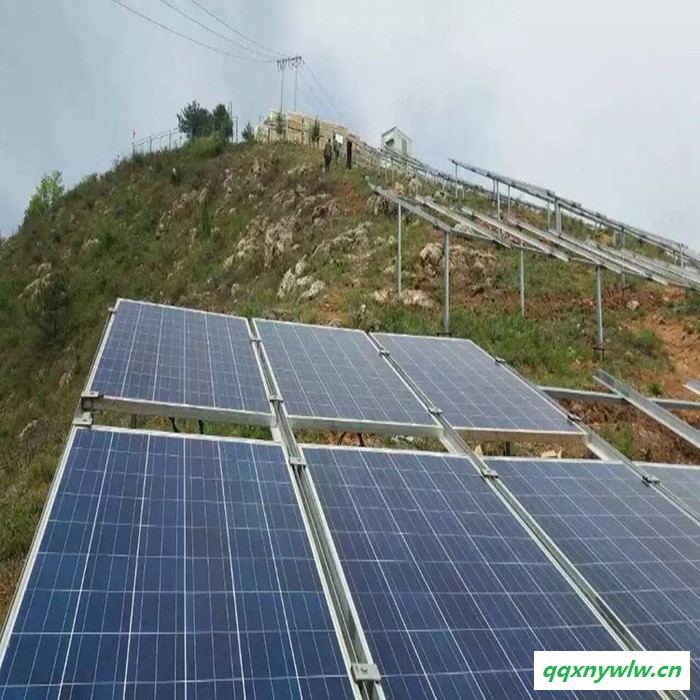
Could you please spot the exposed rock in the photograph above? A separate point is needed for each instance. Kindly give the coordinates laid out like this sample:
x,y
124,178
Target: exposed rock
x,y
43,269
228,263
235,288
381,296
33,430
89,243
314,290
65,379
345,243
278,240
633,305
418,298
398,189
431,258
33,288
228,181
413,187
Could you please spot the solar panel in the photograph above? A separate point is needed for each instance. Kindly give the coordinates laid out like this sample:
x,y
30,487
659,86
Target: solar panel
x,y
693,385
179,357
452,593
683,482
638,550
335,378
474,392
172,567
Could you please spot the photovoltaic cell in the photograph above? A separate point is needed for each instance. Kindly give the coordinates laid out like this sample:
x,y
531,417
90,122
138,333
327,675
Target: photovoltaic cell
x,y
639,551
337,374
169,355
173,567
472,390
453,594
684,483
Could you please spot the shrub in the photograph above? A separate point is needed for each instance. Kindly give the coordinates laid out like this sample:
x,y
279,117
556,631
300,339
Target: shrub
x,y
52,310
281,124
248,133
315,132
47,196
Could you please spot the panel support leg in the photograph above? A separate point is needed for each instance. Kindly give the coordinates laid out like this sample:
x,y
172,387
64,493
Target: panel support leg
x,y
599,309
557,216
508,201
398,255
522,280
623,279
456,178
134,421
498,201
446,266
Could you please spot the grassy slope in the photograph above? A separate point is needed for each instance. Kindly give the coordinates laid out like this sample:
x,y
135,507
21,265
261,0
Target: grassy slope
x,y
146,232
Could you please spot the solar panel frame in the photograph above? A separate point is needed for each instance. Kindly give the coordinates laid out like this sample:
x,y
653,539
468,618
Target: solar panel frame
x,y
333,683
596,535
677,479
94,400
561,430
693,385
429,428
308,450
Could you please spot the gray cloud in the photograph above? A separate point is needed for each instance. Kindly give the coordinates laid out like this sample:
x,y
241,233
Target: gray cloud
x,y
596,99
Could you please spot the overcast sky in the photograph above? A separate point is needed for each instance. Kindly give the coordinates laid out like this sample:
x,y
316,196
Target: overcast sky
x,y
598,99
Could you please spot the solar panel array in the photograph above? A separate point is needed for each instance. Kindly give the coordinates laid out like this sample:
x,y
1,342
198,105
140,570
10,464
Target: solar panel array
x,y
682,482
177,356
472,390
338,375
453,594
173,567
640,552
181,566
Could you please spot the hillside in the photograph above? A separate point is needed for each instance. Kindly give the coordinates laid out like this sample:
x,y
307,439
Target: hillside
x,y
260,230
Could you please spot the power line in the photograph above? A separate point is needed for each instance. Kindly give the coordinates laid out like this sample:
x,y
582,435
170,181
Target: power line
x,y
236,31
184,36
323,92
215,33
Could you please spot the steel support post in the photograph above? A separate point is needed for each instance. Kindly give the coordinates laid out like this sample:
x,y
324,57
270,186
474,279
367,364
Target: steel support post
x,y
446,265
508,201
398,255
498,201
599,305
549,218
456,177
557,215
623,279
522,280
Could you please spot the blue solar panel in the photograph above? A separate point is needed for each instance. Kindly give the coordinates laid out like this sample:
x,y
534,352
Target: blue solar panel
x,y
337,374
173,567
473,391
640,552
169,355
453,594
683,482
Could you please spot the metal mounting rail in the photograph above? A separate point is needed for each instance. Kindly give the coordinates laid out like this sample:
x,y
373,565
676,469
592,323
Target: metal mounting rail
x,y
434,221
660,415
363,670
516,233
693,385
603,397
473,225
576,208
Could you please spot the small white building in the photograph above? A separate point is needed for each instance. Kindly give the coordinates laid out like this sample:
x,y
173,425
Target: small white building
x,y
396,140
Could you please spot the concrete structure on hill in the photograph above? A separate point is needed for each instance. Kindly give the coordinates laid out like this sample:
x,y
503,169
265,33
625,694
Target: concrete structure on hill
x,y
396,140
297,127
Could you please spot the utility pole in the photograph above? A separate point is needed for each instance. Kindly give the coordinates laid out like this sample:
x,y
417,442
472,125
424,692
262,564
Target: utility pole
x,y
282,63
